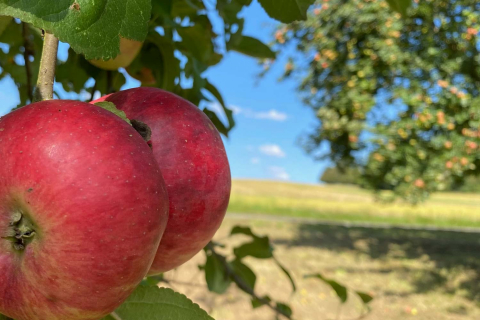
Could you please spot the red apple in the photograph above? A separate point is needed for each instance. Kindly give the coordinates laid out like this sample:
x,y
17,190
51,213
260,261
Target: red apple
x,y
192,159
82,210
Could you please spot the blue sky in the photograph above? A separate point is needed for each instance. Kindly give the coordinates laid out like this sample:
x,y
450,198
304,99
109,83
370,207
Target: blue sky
x,y
269,114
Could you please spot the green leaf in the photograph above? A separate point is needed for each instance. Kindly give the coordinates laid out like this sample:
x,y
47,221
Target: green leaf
x,y
4,22
216,122
158,56
287,11
153,303
92,28
244,272
217,278
153,280
242,230
340,290
365,297
75,72
285,308
256,303
2,317
110,106
197,42
259,248
400,6
229,113
254,48
287,273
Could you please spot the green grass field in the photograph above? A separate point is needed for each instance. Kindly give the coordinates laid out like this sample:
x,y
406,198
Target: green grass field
x,y
350,203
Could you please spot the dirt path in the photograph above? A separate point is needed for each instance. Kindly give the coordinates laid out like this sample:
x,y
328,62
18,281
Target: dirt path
x,y
413,274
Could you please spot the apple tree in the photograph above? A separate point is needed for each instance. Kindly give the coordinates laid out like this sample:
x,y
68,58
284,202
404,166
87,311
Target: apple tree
x,y
395,96
163,44
166,44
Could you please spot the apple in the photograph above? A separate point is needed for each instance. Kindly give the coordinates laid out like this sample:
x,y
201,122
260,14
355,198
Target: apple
x,y
83,207
129,50
194,164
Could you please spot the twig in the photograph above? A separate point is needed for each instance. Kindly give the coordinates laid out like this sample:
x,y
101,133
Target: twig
x,y
46,76
110,82
27,53
94,88
115,316
242,285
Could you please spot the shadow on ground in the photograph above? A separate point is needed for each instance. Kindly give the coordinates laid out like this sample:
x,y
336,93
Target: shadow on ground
x,y
454,257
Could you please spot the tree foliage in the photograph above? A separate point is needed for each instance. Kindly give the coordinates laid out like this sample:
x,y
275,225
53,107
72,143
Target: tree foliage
x,y
395,96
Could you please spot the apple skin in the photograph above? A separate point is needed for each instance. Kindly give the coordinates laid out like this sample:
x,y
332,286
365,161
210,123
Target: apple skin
x,y
194,164
129,50
91,187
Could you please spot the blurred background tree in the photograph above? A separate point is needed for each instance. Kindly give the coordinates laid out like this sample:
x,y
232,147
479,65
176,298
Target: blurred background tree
x,y
396,98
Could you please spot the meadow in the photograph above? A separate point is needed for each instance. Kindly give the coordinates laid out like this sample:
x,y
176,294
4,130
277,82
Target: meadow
x,y
350,203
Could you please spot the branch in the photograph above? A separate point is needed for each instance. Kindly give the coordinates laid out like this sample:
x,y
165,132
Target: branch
x,y
241,284
94,89
115,316
27,53
46,76
110,82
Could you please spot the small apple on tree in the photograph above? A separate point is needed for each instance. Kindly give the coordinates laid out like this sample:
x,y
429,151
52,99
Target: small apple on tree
x,y
129,50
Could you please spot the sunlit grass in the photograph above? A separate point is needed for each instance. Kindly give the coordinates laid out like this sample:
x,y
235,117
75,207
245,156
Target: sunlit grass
x,y
349,203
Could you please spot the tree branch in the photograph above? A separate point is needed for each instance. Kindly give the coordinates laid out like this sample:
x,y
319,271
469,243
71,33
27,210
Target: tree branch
x,y
241,284
94,89
46,76
27,53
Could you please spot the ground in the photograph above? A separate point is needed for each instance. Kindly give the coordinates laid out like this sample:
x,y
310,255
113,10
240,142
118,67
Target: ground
x,y
428,269
412,274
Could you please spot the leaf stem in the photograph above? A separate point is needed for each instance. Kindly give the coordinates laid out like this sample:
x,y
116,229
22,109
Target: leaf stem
x,y
27,53
48,63
115,316
241,284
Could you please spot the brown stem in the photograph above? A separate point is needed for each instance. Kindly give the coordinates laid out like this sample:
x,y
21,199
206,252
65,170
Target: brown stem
x,y
110,82
27,53
94,89
241,284
46,76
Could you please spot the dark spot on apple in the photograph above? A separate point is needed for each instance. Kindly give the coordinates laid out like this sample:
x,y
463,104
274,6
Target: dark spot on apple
x,y
52,298
30,190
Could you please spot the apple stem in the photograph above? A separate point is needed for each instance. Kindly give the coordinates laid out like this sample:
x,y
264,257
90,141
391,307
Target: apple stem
x,y
48,63
115,316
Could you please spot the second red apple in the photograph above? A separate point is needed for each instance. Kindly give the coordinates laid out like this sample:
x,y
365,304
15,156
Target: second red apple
x,y
192,159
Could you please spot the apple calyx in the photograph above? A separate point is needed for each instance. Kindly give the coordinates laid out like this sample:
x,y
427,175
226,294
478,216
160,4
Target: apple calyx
x,y
21,231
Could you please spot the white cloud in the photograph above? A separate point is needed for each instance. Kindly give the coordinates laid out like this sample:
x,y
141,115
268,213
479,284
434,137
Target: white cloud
x,y
255,160
279,173
272,114
272,150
